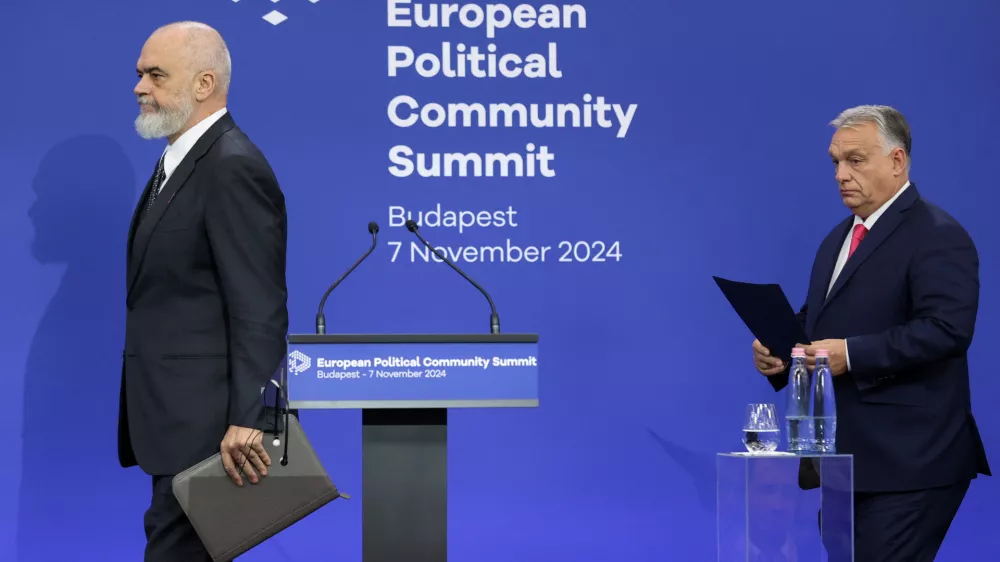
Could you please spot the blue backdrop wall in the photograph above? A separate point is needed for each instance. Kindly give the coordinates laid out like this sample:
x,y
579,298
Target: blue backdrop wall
x,y
722,171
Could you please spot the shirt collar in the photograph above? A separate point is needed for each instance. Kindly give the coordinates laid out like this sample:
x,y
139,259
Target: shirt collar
x,y
174,153
870,221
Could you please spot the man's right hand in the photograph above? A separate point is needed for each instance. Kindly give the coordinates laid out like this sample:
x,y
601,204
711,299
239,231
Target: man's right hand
x,y
241,452
766,364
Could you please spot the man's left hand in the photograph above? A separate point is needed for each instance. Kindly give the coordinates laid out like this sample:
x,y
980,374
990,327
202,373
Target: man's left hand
x,y
240,445
838,355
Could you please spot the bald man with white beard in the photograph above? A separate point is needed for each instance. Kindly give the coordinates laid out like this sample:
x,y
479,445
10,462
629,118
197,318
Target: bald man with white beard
x,y
206,296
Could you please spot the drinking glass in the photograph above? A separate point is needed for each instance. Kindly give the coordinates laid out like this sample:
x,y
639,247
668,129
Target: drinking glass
x,y
760,430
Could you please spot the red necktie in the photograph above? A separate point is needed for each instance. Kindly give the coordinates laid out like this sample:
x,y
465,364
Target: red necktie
x,y
856,238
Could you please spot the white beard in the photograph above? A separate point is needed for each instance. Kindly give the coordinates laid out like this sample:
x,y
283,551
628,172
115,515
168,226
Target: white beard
x,y
163,122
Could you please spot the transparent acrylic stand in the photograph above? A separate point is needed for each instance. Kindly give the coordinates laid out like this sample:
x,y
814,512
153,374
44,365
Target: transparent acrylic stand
x,y
782,507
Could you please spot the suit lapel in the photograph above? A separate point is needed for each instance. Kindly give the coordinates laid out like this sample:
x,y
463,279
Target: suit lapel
x,y
135,218
828,254
884,227
142,233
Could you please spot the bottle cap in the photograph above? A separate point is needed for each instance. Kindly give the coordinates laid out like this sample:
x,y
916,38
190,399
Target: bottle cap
x,y
798,352
822,353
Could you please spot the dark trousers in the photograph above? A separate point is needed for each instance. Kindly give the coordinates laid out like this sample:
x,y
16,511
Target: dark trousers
x,y
169,534
900,526
905,526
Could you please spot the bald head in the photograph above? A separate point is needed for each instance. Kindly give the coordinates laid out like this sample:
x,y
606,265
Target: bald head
x,y
184,75
201,49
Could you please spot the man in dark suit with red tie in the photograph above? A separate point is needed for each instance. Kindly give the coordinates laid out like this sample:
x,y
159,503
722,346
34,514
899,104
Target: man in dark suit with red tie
x,y
206,298
893,296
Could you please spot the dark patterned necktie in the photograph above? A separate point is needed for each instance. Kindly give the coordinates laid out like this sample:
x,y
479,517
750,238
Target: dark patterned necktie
x,y
154,190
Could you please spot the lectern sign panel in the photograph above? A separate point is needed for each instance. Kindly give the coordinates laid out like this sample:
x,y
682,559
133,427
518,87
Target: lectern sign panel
x,y
352,374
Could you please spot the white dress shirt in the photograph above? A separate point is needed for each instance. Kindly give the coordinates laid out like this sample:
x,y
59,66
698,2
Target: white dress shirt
x,y
845,249
174,153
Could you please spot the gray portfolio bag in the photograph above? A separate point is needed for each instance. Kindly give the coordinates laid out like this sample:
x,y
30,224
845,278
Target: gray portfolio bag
x,y
231,519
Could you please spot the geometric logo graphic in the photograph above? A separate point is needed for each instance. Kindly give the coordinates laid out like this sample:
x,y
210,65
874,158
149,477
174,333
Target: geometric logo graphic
x,y
298,362
274,17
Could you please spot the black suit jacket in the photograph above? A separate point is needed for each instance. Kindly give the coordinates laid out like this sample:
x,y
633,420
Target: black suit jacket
x,y
206,304
906,302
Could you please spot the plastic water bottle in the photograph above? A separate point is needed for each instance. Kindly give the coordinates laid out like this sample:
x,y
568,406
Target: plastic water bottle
x,y
824,405
797,418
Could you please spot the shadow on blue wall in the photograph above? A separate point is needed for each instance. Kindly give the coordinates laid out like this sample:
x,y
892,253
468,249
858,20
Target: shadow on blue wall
x,y
69,506
699,466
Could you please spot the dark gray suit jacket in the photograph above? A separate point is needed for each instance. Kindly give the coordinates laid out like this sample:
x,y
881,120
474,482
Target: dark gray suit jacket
x,y
206,304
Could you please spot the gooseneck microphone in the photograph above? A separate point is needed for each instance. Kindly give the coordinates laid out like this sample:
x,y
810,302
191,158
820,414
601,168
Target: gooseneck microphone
x,y
320,318
411,225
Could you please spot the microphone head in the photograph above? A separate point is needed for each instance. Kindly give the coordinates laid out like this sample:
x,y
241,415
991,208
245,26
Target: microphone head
x,y
411,225
373,227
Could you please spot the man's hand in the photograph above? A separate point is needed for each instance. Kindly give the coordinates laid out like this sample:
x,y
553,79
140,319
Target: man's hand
x,y
242,444
766,364
838,355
